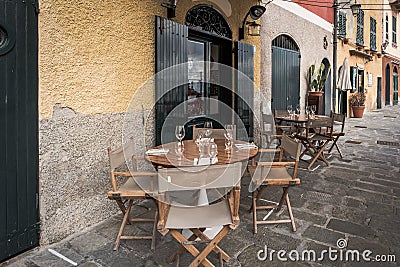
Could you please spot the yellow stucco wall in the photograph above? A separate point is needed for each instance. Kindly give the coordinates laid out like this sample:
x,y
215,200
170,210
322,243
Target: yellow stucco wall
x,y
93,55
373,67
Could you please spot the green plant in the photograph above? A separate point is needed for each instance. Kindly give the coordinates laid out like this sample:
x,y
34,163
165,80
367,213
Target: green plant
x,y
317,77
358,98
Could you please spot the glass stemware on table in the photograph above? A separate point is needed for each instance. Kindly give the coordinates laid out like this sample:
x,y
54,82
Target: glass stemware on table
x,y
228,136
180,134
290,110
208,128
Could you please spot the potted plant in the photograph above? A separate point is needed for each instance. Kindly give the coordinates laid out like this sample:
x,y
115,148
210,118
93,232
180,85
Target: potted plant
x,y
357,102
316,83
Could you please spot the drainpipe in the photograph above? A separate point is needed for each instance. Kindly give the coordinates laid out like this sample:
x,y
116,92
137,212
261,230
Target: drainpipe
x,y
335,43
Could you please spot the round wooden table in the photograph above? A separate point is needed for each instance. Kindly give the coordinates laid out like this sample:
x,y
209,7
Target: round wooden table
x,y
191,151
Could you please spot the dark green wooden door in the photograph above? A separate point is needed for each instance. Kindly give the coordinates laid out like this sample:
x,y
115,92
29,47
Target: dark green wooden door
x,y
19,127
244,97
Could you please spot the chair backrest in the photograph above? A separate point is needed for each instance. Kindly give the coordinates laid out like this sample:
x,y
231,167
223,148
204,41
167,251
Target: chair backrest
x,y
199,177
291,147
117,156
216,133
339,119
320,125
267,123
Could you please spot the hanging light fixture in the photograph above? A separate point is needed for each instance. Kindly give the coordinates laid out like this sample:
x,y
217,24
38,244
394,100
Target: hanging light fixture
x,y
171,7
355,8
253,28
255,13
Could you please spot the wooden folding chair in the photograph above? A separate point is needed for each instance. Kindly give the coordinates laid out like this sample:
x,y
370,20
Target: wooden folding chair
x,y
281,128
316,137
275,173
177,213
134,186
338,130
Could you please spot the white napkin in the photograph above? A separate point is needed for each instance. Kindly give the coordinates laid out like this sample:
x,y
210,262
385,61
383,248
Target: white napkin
x,y
204,161
245,146
157,151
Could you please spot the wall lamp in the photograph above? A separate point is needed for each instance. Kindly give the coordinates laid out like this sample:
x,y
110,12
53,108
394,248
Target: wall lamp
x,y
255,13
171,7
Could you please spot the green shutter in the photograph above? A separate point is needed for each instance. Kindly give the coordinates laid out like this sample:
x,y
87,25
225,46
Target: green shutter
x,y
360,27
372,39
342,24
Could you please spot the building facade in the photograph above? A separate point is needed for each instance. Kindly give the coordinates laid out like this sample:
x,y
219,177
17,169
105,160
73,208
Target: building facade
x,y
292,39
391,53
360,42
89,59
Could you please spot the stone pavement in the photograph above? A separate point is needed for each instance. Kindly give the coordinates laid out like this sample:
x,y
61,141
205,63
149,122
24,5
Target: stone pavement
x,y
355,199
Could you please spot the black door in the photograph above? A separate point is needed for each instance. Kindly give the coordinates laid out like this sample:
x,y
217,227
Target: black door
x,y
379,94
387,85
19,220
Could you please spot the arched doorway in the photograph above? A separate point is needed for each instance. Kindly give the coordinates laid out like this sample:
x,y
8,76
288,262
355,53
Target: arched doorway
x,y
395,86
285,73
387,85
327,104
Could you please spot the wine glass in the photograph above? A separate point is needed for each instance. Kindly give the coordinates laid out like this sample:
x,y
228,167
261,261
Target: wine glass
x,y
180,132
313,109
289,110
208,126
298,109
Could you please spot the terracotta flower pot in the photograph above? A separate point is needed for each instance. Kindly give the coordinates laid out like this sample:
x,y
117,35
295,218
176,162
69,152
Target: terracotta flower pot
x,y
358,111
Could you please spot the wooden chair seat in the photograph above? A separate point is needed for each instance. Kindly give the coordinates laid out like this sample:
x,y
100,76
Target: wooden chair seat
x,y
131,189
199,217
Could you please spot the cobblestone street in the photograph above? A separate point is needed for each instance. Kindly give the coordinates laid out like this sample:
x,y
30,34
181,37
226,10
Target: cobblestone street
x,y
355,199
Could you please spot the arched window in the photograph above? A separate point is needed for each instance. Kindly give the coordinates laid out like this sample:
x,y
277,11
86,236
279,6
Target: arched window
x,y
207,18
285,41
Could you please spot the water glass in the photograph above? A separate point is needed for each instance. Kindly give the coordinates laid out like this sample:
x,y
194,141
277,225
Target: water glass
x,y
213,150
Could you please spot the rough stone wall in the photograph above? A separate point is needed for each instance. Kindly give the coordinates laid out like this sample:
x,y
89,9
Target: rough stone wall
x,y
74,169
309,38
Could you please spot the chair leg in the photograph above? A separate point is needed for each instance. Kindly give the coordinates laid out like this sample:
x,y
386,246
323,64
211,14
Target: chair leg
x,y
279,206
289,207
319,155
217,249
192,249
254,205
153,239
210,247
124,221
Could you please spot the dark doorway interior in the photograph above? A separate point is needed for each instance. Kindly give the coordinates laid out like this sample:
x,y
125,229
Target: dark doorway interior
x,y
379,94
387,85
